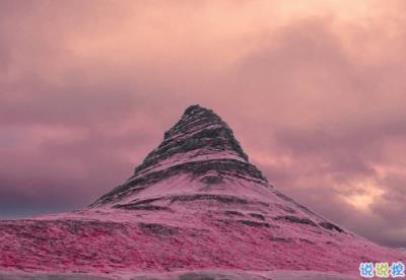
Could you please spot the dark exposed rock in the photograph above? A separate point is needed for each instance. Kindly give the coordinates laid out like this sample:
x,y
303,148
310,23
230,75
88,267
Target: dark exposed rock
x,y
306,240
255,224
211,180
144,204
331,226
146,201
218,198
280,239
295,219
233,213
141,207
257,216
286,208
158,229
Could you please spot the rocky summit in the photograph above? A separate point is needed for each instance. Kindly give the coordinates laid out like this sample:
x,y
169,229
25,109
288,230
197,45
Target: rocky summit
x,y
200,148
196,208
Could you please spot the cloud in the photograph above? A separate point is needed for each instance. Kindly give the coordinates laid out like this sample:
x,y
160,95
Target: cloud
x,y
314,92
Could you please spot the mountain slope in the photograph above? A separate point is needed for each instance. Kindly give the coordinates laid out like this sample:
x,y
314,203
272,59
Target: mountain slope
x,y
196,202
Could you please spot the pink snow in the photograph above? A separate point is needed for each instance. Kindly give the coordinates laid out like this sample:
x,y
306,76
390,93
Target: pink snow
x,y
109,241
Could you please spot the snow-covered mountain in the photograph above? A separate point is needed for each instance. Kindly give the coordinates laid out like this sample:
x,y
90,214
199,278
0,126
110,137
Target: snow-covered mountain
x,y
195,203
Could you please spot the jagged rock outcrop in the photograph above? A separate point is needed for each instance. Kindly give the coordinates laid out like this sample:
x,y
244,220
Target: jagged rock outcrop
x,y
196,202
200,145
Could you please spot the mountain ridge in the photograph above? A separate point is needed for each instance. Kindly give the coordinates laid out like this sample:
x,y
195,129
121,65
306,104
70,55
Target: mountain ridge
x,y
204,135
195,203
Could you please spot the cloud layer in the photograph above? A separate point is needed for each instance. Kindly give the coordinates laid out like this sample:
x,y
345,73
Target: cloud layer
x,y
314,91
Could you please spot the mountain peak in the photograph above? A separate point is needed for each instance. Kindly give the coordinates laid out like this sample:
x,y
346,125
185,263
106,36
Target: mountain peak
x,y
196,118
199,143
199,133
196,108
197,112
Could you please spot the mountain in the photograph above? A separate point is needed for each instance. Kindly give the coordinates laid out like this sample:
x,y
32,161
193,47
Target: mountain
x,y
196,206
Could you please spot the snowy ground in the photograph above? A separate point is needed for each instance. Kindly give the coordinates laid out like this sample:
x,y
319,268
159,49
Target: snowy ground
x,y
185,275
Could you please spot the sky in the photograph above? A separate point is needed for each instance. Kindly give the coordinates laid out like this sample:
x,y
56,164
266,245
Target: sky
x,y
314,91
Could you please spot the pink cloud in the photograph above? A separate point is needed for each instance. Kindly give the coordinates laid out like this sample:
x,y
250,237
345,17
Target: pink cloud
x,y
314,94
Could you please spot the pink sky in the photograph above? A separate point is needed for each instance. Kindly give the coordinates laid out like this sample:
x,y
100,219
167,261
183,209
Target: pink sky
x,y
314,91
